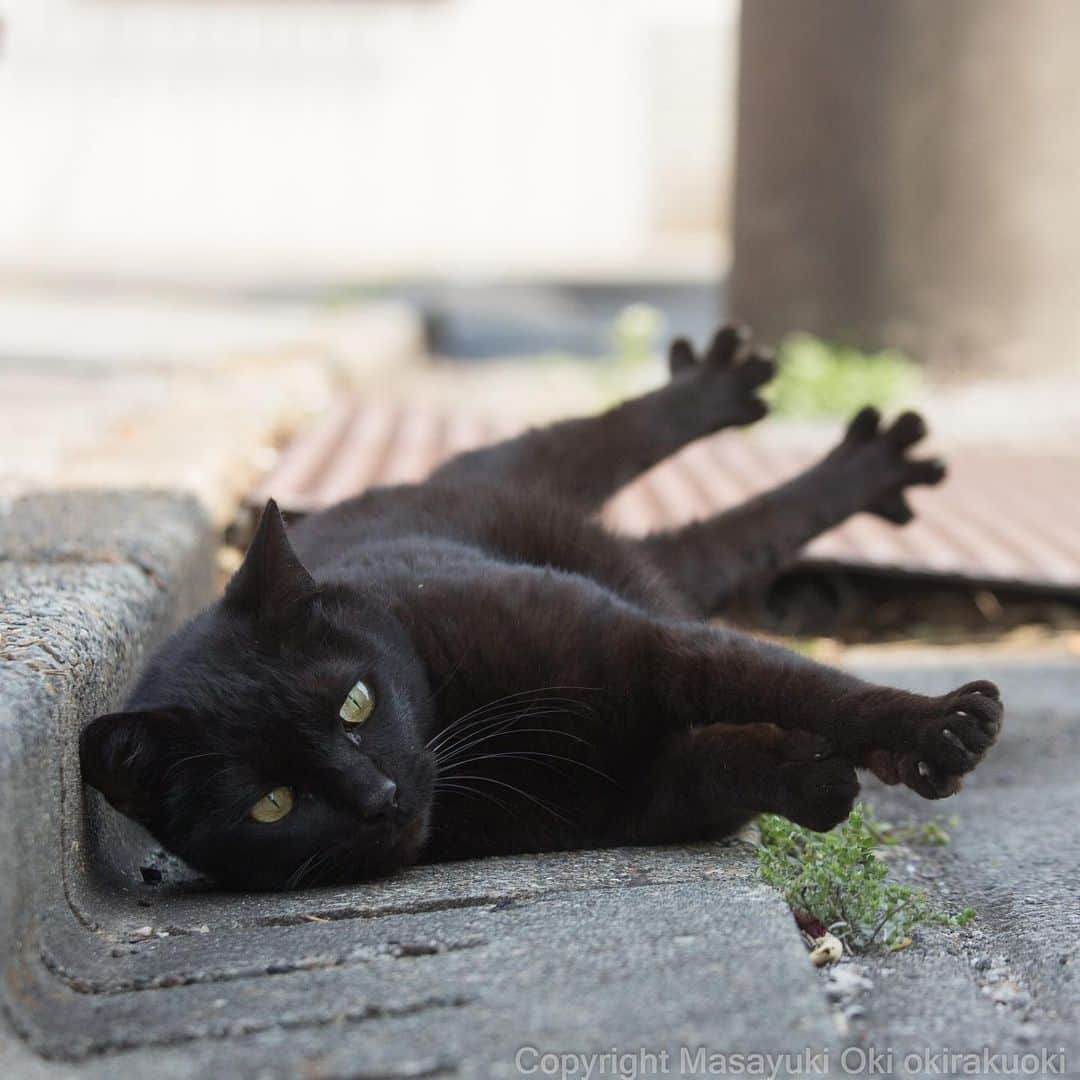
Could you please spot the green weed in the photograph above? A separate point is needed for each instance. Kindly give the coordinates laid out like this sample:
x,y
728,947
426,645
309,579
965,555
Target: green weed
x,y
837,878
817,379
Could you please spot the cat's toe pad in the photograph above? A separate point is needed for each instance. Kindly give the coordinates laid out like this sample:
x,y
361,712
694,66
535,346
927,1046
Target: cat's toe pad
x,y
874,458
727,376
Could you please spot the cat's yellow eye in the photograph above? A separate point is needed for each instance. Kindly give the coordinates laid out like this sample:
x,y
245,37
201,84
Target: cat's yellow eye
x,y
359,705
273,806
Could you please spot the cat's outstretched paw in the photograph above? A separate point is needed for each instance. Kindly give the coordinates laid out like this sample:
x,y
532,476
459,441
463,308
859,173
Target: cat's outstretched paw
x,y
875,459
947,744
726,378
819,787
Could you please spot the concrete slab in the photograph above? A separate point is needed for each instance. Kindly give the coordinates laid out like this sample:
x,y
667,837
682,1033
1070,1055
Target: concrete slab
x,y
650,965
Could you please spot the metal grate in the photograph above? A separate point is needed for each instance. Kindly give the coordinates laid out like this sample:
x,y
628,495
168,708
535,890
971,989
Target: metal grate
x,y
998,519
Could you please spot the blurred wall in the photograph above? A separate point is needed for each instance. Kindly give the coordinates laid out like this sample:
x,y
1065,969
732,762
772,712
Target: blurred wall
x,y
289,140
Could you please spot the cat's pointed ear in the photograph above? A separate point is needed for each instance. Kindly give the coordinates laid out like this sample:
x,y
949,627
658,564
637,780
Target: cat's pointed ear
x,y
121,755
271,584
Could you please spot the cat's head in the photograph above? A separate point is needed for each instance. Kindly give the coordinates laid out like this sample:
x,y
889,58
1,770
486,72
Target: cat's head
x,y
277,739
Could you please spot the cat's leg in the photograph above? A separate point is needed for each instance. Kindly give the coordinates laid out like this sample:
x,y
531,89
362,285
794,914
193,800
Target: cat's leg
x,y
587,460
645,679
710,560
926,742
711,780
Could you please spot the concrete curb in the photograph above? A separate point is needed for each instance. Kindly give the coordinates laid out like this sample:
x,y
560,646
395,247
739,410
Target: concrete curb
x,y
89,583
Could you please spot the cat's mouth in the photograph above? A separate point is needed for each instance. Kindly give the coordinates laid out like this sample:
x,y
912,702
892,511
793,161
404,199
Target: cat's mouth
x,y
414,830
412,837
396,848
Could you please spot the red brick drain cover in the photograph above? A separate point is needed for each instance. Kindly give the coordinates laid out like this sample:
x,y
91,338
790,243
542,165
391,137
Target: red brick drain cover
x,y
1002,519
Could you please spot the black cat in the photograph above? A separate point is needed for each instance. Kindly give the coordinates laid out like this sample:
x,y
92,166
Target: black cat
x,y
472,666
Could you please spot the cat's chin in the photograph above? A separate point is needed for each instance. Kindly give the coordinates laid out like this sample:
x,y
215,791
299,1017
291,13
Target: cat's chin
x,y
365,865
413,837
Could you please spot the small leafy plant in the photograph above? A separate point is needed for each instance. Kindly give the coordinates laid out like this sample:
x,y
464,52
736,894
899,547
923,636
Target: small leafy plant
x,y
818,379
838,879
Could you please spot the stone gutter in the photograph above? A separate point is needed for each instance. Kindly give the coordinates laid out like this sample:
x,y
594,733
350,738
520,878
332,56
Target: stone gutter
x,y
444,970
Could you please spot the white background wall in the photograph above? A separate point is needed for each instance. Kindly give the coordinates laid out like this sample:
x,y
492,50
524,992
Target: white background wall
x,y
289,140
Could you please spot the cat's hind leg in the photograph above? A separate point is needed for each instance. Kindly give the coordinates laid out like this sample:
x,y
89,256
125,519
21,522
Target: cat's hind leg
x,y
711,560
585,461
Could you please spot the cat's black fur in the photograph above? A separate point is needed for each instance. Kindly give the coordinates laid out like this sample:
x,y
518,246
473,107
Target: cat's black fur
x,y
539,683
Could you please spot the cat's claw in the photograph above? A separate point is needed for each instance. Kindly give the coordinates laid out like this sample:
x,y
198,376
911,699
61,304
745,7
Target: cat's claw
x,y
727,375
951,743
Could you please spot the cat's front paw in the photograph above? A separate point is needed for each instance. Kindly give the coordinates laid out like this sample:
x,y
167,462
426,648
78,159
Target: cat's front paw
x,y
947,744
875,460
725,380
819,787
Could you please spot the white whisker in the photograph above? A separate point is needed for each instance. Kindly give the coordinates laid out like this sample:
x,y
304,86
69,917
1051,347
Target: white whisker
x,y
524,794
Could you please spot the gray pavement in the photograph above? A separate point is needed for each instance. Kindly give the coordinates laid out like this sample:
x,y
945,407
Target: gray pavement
x,y
471,969
123,389
563,953
1010,981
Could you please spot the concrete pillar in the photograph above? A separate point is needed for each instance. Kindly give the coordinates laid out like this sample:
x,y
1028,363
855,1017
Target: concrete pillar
x,y
908,173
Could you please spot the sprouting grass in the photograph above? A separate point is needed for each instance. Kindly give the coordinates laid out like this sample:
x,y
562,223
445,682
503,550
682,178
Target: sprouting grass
x,y
817,379
838,879
916,833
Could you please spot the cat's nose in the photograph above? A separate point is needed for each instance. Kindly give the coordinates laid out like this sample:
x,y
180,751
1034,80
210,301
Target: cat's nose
x,y
379,798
